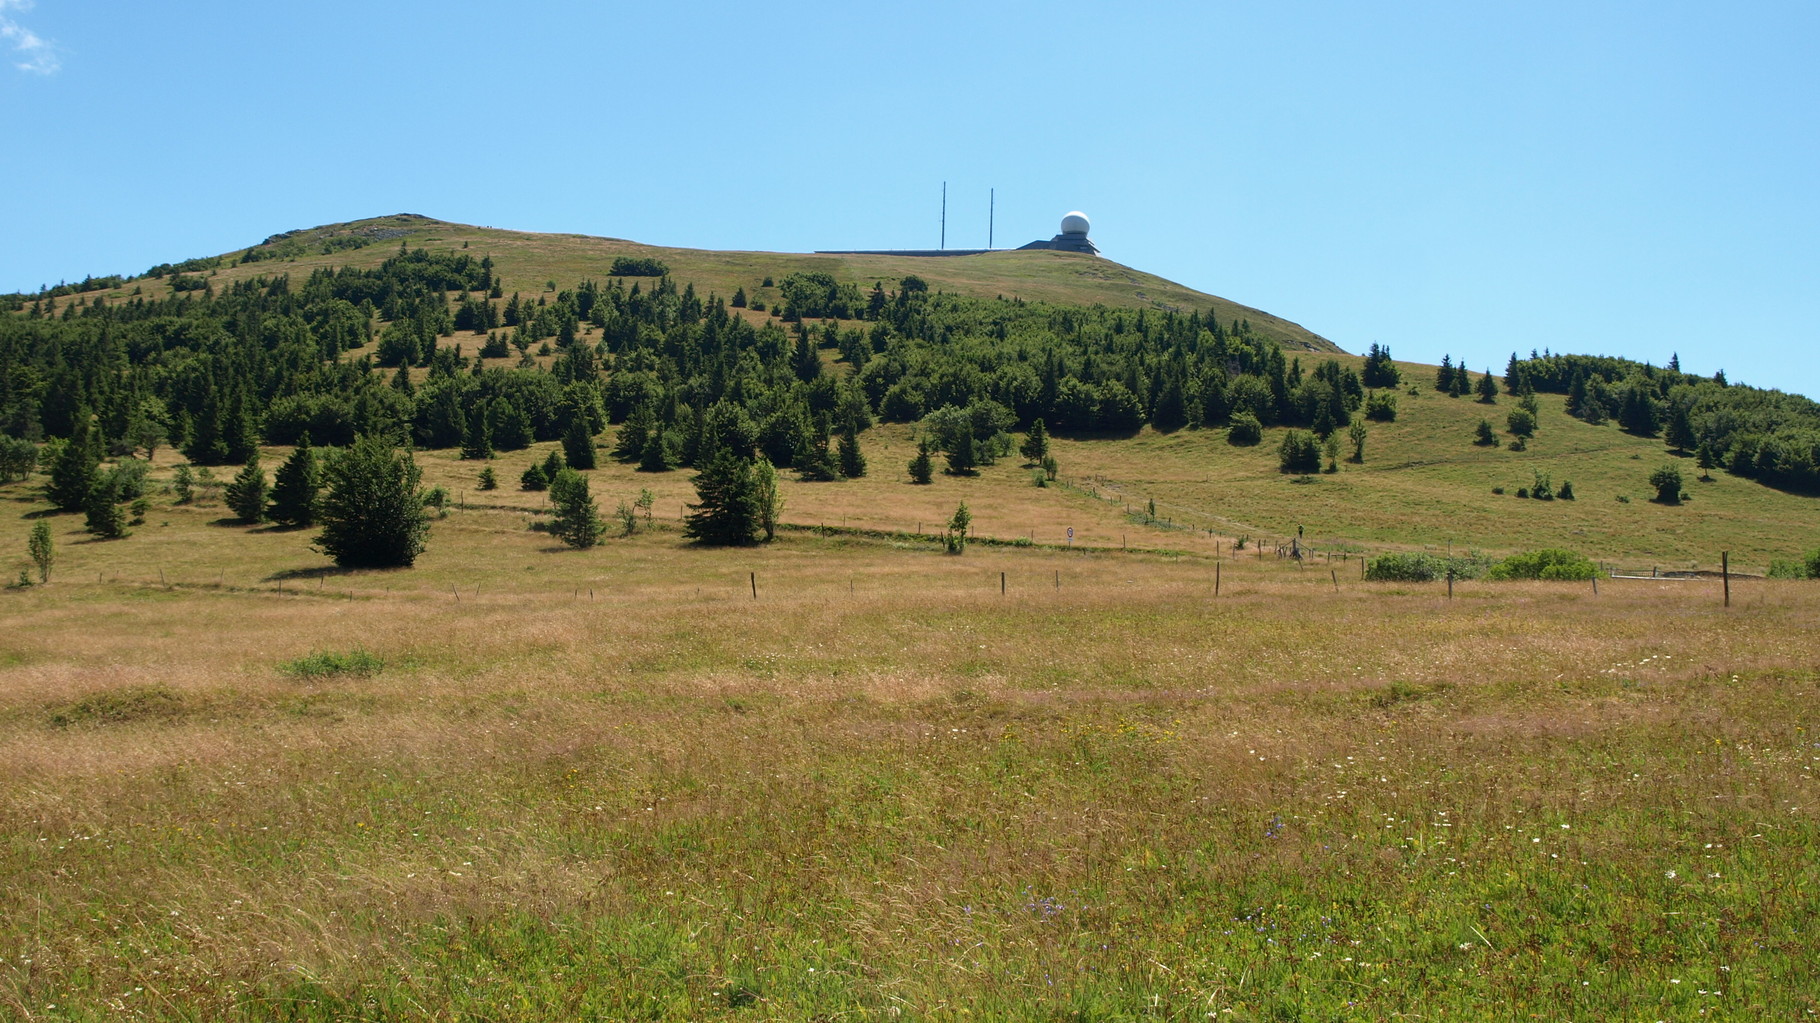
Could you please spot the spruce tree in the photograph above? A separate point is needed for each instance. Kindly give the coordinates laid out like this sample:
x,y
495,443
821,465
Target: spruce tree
x,y
656,454
635,434
852,462
76,469
488,481
296,487
1036,443
727,509
577,522
246,493
372,515
578,444
477,439
961,458
922,470
534,478
106,519
553,464
1488,388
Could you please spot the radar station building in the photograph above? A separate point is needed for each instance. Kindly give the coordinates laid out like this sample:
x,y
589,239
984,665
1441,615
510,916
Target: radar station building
x,y
1073,237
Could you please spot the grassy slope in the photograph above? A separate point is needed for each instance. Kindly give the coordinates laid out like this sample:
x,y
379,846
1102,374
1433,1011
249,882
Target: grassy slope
x,y
609,783
526,261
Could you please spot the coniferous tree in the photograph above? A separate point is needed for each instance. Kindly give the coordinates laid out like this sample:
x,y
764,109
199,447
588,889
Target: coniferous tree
x,y
296,486
1483,435
372,515
183,484
727,508
656,454
1444,375
246,492
1036,443
1488,388
961,459
922,469
852,462
553,464
578,444
534,478
106,519
577,522
488,479
76,469
477,439
634,434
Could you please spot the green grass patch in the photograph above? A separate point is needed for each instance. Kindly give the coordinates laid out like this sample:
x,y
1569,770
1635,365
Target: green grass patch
x,y
327,664
119,706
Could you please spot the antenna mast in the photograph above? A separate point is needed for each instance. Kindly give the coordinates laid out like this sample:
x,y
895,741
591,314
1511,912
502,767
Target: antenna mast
x,y
991,210
944,215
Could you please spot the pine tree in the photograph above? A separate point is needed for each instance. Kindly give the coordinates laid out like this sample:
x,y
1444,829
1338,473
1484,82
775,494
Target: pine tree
x,y
1036,443
1484,436
852,462
578,444
577,522
534,478
488,480
922,470
1444,375
372,515
246,492
296,487
477,439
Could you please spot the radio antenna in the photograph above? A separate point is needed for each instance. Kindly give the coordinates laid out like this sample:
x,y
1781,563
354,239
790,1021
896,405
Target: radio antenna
x,y
991,211
944,215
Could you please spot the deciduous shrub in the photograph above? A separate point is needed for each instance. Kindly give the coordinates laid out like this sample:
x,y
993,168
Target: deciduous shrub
x,y
1415,567
1548,563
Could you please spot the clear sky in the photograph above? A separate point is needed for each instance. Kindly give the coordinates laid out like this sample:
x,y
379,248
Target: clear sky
x,y
1633,179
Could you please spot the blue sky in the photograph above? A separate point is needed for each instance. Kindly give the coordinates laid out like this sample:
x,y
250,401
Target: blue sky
x,y
1633,179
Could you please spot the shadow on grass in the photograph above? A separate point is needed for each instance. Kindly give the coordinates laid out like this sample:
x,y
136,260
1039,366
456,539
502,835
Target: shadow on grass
x,y
318,572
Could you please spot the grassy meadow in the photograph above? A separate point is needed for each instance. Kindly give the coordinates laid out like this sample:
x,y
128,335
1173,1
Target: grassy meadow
x,y
523,783
1106,765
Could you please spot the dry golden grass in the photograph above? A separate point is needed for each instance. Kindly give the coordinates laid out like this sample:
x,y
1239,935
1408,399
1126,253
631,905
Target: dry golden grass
x,y
884,770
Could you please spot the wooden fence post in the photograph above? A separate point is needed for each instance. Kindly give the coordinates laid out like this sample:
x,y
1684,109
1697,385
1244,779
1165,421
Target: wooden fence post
x,y
1725,572
754,576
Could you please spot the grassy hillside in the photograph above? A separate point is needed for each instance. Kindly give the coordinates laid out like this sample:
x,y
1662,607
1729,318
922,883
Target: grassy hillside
x,y
527,260
1104,765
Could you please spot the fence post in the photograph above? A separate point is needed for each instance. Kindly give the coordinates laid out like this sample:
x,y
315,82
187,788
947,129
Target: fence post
x,y
1450,584
1001,584
1216,578
754,576
1336,579
1725,572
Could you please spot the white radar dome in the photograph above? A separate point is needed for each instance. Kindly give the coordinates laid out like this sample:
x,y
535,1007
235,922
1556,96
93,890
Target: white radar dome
x,y
1075,223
